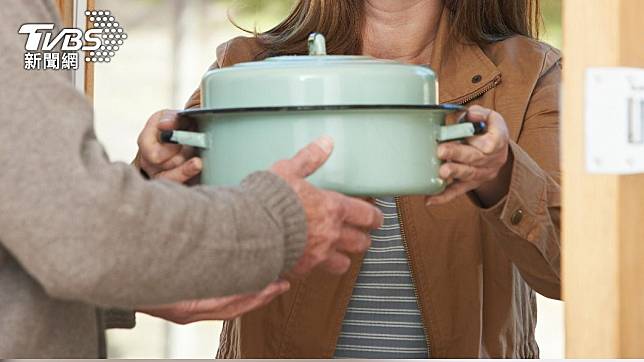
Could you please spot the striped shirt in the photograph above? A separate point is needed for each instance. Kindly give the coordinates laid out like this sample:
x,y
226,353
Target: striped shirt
x,y
383,319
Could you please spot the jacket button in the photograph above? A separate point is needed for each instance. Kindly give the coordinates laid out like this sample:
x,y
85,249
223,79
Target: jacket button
x,y
477,79
517,217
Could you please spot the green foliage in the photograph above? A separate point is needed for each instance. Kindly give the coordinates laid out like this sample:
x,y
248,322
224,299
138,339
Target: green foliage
x,y
552,32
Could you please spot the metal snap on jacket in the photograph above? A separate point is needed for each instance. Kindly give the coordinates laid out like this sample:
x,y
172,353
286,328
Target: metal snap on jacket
x,y
517,217
477,79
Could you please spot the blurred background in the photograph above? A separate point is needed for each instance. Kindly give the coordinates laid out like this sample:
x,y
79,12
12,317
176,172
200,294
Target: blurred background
x,y
170,45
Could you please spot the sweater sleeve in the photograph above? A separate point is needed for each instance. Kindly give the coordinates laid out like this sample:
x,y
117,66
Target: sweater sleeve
x,y
527,221
93,231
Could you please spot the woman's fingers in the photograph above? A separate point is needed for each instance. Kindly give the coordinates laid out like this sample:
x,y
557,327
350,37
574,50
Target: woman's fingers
x,y
179,159
461,172
452,192
477,113
153,152
461,153
176,161
489,143
161,159
476,163
172,121
496,137
184,172
169,121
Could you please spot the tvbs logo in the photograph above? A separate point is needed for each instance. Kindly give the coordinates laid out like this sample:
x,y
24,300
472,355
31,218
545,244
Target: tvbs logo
x,y
69,39
46,49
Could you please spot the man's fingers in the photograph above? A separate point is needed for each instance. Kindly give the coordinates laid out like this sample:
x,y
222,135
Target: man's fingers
x,y
272,291
246,304
353,241
361,214
232,306
216,304
337,264
184,172
227,312
279,287
312,157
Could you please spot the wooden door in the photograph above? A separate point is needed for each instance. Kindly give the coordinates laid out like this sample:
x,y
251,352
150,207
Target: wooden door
x,y
603,216
72,15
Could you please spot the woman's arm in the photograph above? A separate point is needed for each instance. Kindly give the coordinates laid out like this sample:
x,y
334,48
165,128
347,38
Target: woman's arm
x,y
516,184
527,221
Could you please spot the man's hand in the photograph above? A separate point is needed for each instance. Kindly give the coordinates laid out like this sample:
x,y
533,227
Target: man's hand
x,y
337,225
225,308
167,161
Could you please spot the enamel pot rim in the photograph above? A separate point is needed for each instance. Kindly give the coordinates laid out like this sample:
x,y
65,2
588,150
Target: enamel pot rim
x,y
200,112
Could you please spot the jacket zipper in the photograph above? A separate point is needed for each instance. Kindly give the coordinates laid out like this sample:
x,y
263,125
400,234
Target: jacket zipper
x,y
426,328
413,278
491,85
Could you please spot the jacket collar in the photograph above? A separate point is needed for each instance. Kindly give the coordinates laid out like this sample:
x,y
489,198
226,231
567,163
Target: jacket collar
x,y
463,69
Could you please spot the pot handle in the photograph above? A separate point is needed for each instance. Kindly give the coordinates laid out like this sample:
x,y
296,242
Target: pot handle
x,y
185,138
461,131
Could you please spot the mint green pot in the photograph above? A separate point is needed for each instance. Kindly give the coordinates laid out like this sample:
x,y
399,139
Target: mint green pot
x,y
382,115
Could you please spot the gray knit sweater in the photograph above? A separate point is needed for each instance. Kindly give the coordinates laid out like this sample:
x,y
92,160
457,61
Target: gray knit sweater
x,y
78,232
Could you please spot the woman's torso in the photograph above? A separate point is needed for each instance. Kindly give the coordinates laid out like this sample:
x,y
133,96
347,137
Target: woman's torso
x,y
472,298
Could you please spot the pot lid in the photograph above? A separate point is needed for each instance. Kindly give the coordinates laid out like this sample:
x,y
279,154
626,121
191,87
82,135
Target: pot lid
x,y
319,79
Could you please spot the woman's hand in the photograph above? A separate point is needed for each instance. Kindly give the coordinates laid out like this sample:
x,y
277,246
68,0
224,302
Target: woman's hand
x,y
225,308
482,165
168,161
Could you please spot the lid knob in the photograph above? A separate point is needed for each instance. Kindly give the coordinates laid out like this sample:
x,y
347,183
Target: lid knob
x,y
317,44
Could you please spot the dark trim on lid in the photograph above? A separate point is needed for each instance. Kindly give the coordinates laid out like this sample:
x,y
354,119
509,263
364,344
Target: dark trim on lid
x,y
435,107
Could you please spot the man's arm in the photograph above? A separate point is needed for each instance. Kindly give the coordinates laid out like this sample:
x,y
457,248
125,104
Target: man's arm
x,y
92,231
97,232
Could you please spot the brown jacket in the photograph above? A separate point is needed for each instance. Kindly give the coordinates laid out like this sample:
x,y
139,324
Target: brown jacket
x,y
476,270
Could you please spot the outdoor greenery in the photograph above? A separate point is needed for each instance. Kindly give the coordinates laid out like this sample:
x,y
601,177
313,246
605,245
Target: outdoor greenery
x,y
552,32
